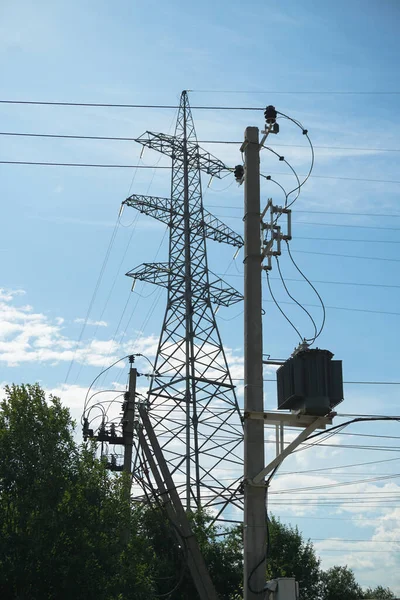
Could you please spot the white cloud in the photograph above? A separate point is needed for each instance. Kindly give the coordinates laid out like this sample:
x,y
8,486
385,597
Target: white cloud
x,y
91,322
30,337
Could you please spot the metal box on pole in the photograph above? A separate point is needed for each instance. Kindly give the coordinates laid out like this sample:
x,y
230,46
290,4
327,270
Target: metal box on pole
x,y
310,381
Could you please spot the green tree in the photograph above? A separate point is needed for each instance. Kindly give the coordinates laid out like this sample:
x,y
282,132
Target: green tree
x,y
62,515
291,556
339,583
222,554
378,593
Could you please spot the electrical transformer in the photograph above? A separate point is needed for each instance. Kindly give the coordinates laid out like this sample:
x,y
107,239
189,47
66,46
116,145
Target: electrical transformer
x,y
310,381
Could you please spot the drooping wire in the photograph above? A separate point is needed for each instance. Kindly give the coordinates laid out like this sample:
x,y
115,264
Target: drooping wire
x,y
281,310
269,178
97,377
298,187
310,340
335,428
305,132
313,287
96,289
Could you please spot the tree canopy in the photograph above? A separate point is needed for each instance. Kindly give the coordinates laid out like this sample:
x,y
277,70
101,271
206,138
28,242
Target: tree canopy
x,y
339,583
291,556
61,516
378,593
64,520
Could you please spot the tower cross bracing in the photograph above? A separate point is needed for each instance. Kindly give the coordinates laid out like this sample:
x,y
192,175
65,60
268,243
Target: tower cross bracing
x,y
191,398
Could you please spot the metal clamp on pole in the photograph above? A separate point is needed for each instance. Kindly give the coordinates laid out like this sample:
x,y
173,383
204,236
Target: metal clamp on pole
x,y
274,235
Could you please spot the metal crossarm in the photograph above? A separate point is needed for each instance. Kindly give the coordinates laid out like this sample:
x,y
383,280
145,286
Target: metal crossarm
x,y
157,273
178,150
217,291
161,209
214,229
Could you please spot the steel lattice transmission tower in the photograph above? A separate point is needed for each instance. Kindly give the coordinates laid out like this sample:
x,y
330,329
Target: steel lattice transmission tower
x,y
192,402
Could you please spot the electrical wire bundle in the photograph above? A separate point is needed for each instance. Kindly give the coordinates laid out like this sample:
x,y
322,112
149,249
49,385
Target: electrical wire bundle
x,y
290,198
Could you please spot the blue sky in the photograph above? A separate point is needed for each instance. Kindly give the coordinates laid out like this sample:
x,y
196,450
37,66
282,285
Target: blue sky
x,y
57,222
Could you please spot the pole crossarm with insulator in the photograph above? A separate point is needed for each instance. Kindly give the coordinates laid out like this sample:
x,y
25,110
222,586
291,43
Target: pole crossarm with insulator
x,y
191,398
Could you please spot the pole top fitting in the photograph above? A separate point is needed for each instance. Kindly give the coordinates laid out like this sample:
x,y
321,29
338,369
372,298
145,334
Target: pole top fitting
x,y
131,359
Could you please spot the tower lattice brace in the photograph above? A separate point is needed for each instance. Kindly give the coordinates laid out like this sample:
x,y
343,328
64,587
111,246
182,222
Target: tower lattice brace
x,y
193,406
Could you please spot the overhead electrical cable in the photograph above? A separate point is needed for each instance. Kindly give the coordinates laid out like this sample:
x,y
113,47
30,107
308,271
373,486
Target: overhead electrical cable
x,y
299,92
280,309
134,223
325,239
319,212
227,142
362,464
125,166
297,188
355,226
113,105
94,295
95,165
305,132
312,287
338,484
356,283
349,256
310,340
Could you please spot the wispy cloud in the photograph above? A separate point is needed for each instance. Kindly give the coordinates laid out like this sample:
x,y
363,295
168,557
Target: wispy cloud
x,y
91,322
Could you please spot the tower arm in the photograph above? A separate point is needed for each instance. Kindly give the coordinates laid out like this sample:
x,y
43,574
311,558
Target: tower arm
x,y
160,209
220,293
215,229
173,147
157,273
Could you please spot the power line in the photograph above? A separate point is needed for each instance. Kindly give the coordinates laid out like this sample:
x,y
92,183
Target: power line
x,y
341,178
297,92
348,255
379,285
226,142
319,212
348,226
355,214
362,464
72,137
347,540
120,166
55,164
94,295
338,484
326,224
325,239
362,310
109,105
346,382
274,145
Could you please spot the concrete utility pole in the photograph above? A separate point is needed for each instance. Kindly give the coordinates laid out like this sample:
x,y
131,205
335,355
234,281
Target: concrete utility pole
x,y
128,418
254,495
